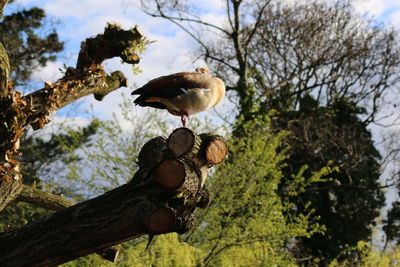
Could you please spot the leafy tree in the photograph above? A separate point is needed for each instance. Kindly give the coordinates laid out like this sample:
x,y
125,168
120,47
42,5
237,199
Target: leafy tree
x,y
367,256
29,42
245,222
166,250
350,202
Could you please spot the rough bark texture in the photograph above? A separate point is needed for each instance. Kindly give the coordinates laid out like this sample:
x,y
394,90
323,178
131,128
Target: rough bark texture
x,y
143,206
44,199
17,111
58,202
4,71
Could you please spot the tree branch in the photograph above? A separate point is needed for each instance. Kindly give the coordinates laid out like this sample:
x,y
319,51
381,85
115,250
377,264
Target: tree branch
x,y
58,202
198,21
2,5
4,72
74,85
256,26
114,42
43,199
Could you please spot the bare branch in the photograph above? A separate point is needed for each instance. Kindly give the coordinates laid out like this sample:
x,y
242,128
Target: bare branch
x,y
257,24
17,111
197,21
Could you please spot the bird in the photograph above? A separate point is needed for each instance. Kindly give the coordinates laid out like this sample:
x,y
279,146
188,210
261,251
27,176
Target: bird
x,y
183,93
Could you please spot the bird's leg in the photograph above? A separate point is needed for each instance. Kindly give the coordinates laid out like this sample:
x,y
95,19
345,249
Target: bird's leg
x,y
184,118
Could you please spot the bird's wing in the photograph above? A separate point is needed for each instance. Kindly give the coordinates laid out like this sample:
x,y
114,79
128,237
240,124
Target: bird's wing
x,y
172,85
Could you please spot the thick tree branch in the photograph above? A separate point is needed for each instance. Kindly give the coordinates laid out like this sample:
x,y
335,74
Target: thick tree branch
x,y
43,199
114,42
58,202
74,85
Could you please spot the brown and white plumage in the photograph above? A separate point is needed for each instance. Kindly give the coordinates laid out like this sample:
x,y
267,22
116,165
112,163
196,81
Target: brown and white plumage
x,y
183,93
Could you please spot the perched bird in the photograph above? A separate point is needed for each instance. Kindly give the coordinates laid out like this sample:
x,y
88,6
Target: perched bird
x,y
183,93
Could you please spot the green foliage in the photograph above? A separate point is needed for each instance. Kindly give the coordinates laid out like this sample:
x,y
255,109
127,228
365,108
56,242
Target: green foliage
x,y
166,250
245,224
368,257
350,201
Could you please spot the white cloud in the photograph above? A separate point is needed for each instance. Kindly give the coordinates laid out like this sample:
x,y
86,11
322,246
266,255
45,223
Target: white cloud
x,y
395,18
373,7
378,8
50,72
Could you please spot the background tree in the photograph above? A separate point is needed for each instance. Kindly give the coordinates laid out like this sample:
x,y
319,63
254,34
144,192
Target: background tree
x,y
30,42
352,197
277,57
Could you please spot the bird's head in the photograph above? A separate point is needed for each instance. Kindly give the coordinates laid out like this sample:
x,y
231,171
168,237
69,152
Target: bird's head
x,y
202,70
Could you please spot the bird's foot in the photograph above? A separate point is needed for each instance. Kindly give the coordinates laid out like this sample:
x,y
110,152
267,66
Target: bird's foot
x,y
184,119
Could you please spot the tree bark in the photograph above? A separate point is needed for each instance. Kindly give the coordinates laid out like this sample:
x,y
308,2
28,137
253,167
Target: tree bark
x,y
58,202
43,199
2,5
4,71
143,206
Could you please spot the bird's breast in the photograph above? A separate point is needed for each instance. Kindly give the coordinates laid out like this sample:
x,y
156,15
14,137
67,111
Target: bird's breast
x,y
193,101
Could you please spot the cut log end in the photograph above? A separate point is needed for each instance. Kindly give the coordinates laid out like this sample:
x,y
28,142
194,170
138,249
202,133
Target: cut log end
x,y
150,154
161,221
181,141
216,151
170,173
139,30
